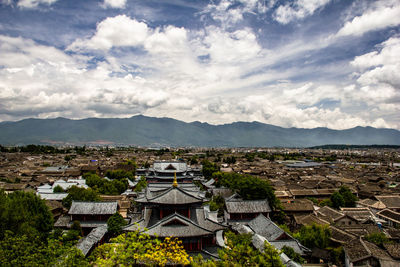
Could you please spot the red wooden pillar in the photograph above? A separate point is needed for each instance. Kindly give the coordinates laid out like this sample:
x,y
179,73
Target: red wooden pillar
x,y
161,213
188,213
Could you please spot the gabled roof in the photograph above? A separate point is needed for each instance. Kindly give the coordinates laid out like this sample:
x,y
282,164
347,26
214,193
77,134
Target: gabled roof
x,y
330,214
93,208
266,228
95,236
247,206
172,196
298,205
203,221
170,166
186,228
360,214
390,215
391,202
341,236
359,249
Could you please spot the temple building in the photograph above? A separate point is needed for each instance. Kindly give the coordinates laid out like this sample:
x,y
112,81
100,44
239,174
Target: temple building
x,y
176,209
164,171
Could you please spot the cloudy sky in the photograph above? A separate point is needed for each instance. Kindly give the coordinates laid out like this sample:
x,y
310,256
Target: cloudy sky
x,y
298,63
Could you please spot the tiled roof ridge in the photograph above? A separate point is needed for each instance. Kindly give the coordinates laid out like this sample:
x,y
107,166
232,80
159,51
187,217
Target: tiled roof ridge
x,y
174,215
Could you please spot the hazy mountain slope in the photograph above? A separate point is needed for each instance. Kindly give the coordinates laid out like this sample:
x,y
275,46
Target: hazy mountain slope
x,y
141,130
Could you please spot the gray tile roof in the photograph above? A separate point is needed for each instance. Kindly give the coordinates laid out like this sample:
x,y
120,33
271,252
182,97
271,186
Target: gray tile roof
x,y
390,215
86,207
294,244
177,225
247,206
265,227
87,243
172,196
169,166
391,202
53,196
206,223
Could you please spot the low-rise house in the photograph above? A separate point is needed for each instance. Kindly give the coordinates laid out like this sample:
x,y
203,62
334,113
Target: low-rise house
x,y
9,188
391,202
90,214
373,205
237,209
360,252
391,217
362,215
298,207
328,214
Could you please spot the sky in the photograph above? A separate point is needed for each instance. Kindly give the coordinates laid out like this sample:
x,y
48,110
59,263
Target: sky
x,y
297,63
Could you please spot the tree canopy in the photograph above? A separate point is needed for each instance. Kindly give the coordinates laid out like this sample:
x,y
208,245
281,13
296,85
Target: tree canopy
x,y
343,198
104,186
248,187
209,168
115,223
239,251
134,247
81,194
24,213
314,235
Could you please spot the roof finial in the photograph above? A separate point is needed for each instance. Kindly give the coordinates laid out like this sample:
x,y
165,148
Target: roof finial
x,y
175,182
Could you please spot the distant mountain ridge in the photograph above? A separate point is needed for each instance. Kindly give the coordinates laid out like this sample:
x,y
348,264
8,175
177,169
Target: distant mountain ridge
x,y
149,131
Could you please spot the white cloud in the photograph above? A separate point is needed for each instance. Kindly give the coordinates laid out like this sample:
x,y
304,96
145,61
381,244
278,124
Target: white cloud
x,y
114,3
298,9
380,67
216,74
116,31
380,16
34,3
230,12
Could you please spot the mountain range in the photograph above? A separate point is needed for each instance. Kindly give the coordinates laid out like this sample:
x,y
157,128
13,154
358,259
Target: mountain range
x,y
149,131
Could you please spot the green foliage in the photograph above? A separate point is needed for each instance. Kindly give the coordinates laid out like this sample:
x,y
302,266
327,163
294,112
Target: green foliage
x,y
349,198
240,252
343,198
115,223
194,160
104,186
142,184
24,213
292,254
134,247
314,236
80,194
217,203
58,189
285,228
337,255
337,200
146,165
230,160
209,169
250,157
76,226
326,202
249,187
121,174
377,238
69,157
21,250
